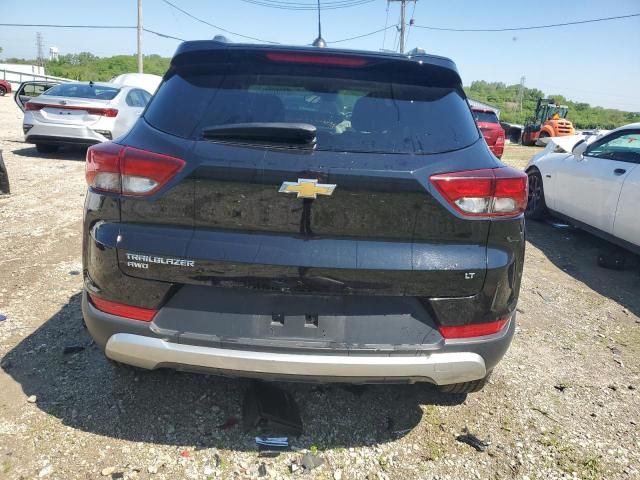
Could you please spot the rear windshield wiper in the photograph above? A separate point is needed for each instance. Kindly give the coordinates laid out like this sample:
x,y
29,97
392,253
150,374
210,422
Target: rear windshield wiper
x,y
267,132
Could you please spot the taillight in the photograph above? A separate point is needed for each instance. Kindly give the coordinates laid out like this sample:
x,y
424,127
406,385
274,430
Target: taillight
x,y
339,60
500,140
123,310
473,329
33,106
101,112
492,192
118,169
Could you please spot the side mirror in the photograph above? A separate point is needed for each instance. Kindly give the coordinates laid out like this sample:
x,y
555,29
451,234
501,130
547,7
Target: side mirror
x,y
579,149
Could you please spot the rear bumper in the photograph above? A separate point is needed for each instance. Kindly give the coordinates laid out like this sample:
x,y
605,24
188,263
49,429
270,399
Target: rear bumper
x,y
150,346
439,368
63,134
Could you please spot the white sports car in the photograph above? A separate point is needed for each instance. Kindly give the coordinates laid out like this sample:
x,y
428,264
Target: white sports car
x,y
81,113
596,187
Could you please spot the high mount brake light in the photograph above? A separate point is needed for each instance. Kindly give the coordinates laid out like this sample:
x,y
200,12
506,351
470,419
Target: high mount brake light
x,y
473,329
123,310
491,192
339,60
102,112
129,171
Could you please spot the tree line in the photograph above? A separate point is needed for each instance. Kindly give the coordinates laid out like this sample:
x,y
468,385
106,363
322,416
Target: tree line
x,y
507,99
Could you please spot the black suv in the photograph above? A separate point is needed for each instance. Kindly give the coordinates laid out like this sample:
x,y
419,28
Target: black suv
x,y
305,214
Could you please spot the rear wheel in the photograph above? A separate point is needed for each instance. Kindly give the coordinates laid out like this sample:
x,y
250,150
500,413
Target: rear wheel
x,y
536,206
3,91
466,387
46,148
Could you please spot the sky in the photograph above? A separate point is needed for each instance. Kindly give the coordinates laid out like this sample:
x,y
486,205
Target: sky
x,y
597,63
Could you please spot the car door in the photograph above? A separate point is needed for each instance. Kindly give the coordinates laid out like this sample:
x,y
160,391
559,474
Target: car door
x,y
627,222
588,186
27,90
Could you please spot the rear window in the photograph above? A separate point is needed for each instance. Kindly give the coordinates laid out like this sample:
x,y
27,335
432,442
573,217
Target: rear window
x,y
83,90
487,117
352,111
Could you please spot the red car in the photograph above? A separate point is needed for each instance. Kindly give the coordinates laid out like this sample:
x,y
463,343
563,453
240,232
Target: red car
x,y
492,132
5,87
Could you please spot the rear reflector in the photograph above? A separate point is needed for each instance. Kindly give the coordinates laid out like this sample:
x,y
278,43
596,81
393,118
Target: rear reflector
x,y
101,112
339,60
122,310
472,330
118,169
491,192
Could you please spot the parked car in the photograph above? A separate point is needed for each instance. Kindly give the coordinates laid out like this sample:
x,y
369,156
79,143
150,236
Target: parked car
x,y
5,87
595,187
304,214
80,113
491,129
145,81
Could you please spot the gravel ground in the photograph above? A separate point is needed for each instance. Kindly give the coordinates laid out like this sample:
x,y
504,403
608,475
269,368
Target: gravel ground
x,y
564,402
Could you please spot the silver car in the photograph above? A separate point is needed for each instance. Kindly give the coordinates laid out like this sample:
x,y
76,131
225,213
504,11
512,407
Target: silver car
x,y
80,113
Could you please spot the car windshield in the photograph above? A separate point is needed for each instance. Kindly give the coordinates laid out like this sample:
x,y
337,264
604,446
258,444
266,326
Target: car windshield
x,y
83,90
349,114
487,117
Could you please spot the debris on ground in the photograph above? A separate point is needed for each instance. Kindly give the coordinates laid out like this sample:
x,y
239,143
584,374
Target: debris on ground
x,y
107,472
271,409
272,443
2,317
70,349
310,461
561,387
32,399
470,439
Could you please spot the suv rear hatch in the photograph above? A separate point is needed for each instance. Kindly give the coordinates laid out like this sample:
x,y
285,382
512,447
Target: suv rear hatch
x,y
236,216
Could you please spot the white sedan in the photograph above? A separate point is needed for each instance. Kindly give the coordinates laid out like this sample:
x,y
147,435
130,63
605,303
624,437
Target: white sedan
x,y
596,187
80,113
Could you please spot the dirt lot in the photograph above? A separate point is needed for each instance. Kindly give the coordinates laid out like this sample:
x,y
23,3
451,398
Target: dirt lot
x,y
564,403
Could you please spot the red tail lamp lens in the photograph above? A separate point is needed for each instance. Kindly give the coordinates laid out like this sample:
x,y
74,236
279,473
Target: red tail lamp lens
x,y
123,310
472,330
130,171
492,192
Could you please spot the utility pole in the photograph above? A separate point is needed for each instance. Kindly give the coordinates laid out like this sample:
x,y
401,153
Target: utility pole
x,y
403,21
140,63
40,46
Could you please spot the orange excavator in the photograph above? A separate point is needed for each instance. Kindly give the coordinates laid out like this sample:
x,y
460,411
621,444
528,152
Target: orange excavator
x,y
549,120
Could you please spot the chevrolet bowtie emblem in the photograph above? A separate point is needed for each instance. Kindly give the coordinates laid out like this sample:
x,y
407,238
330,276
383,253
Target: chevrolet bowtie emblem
x,y
307,188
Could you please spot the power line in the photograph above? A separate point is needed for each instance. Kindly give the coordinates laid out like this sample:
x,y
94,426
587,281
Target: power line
x,y
103,27
534,27
63,26
364,34
216,26
386,23
163,35
282,5
411,23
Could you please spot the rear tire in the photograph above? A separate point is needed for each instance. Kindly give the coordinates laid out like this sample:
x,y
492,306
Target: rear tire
x,y
544,135
466,387
46,148
3,91
536,206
